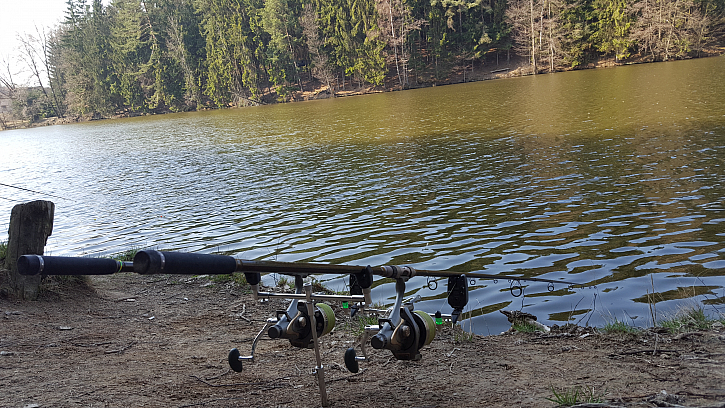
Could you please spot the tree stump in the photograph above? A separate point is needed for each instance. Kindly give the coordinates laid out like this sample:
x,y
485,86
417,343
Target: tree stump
x,y
30,226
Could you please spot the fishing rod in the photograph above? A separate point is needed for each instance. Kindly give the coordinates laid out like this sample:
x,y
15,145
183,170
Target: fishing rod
x,y
33,191
151,262
402,330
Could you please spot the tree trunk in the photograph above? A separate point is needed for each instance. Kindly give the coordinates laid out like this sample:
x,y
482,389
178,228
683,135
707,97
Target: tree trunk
x,y
30,226
533,38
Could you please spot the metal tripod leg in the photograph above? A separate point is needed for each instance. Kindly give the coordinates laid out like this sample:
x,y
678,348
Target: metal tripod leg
x,y
319,370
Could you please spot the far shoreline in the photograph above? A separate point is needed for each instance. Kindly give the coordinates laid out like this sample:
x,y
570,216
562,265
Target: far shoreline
x,y
513,69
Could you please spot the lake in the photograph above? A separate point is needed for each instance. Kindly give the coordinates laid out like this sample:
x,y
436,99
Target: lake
x,y
613,178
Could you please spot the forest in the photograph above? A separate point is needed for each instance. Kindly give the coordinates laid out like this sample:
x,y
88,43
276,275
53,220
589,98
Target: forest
x,y
145,56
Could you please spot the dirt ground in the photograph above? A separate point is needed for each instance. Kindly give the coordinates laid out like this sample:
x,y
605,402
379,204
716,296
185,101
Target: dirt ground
x,y
162,341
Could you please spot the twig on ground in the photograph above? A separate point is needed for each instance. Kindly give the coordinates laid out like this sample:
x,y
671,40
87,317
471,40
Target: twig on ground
x,y
347,377
220,375
238,384
90,392
121,350
653,351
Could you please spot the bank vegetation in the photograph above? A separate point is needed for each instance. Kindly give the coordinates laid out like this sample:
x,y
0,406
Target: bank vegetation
x,y
140,56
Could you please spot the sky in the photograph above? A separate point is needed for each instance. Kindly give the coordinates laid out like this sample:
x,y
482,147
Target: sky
x,y
22,16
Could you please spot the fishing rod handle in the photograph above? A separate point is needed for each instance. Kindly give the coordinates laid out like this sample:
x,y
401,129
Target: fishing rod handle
x,y
62,265
149,262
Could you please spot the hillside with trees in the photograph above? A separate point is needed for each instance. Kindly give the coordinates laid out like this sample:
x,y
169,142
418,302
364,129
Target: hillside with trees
x,y
139,56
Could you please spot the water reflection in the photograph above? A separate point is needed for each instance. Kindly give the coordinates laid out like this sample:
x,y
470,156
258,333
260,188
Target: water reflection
x,y
611,178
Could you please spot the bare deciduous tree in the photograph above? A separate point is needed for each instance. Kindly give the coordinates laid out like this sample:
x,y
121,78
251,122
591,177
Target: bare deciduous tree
x,y
320,66
666,29
396,23
536,31
178,50
34,52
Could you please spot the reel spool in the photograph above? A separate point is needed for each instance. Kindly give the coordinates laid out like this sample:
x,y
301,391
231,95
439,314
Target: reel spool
x,y
297,328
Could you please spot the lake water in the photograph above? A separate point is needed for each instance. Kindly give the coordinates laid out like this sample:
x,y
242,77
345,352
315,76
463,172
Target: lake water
x,y
613,178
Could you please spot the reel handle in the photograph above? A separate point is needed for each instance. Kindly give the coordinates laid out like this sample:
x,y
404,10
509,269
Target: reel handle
x,y
235,362
351,360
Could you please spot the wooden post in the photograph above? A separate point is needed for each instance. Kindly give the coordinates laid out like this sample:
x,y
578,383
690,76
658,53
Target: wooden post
x,y
30,226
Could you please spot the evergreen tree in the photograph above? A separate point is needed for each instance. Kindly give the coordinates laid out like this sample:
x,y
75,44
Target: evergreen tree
x,y
611,33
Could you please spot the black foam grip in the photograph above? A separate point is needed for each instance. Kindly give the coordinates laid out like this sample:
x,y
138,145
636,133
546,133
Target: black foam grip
x,y
154,262
61,265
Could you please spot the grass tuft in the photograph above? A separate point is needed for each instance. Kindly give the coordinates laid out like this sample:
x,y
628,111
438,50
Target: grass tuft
x,y
125,256
688,318
525,327
3,251
576,395
284,281
619,327
237,278
460,335
358,323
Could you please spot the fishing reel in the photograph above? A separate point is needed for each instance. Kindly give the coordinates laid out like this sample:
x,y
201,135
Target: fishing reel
x,y
415,330
404,333
302,323
297,328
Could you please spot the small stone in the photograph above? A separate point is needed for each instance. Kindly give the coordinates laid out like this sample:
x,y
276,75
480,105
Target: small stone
x,y
6,353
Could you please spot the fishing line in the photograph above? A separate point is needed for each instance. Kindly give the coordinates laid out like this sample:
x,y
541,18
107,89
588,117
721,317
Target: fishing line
x,y
36,192
699,278
523,296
